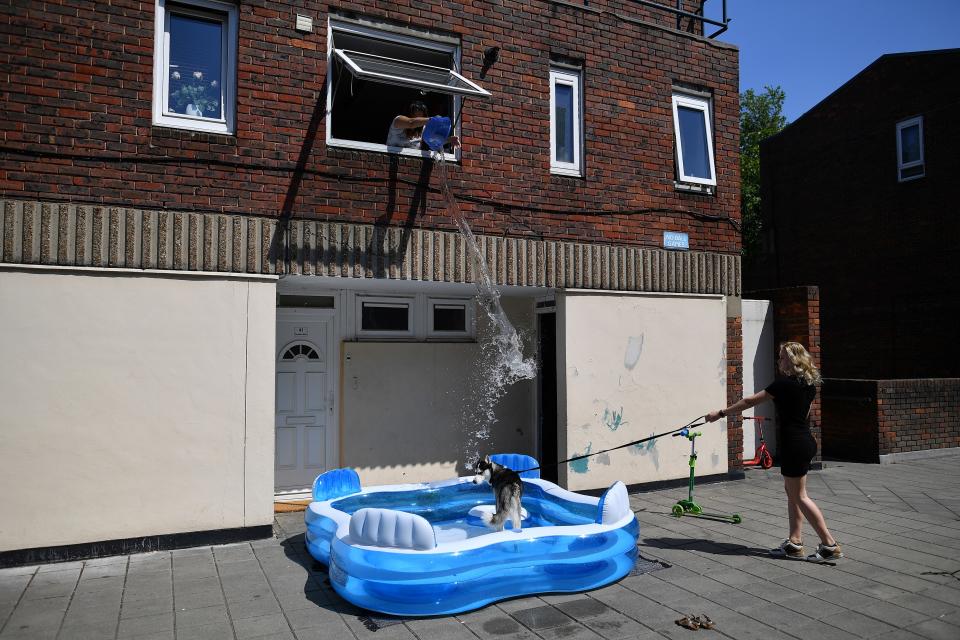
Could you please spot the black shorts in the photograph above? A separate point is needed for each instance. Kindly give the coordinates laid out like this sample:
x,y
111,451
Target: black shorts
x,y
795,454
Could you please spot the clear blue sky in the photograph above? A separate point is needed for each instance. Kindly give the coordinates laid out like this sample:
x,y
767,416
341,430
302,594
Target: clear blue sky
x,y
811,47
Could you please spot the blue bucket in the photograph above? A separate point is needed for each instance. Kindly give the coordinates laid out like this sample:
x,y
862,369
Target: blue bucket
x,y
436,132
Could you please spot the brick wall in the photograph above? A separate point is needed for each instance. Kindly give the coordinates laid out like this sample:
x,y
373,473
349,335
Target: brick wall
x,y
850,419
915,415
796,318
882,252
76,125
865,419
734,393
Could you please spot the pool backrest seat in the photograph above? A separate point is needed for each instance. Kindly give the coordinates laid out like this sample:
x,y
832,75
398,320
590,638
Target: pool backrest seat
x,y
518,462
614,504
335,483
390,528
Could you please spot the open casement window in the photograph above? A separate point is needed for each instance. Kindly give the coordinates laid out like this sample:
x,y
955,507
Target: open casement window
x,y
694,138
566,125
195,65
910,164
376,74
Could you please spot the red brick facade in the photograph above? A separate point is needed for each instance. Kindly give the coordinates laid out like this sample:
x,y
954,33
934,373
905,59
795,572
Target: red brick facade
x,y
76,125
882,252
734,393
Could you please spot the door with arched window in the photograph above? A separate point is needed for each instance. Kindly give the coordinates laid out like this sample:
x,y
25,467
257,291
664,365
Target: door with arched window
x,y
305,403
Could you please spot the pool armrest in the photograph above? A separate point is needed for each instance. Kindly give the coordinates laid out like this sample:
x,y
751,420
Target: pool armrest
x,y
389,528
335,483
526,466
614,504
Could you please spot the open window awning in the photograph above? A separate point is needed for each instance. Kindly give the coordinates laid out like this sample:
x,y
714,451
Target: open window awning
x,y
367,66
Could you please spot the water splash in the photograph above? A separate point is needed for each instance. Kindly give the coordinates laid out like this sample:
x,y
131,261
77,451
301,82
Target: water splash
x,y
501,360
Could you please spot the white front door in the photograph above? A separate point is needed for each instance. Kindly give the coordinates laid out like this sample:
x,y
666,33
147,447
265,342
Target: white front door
x,y
306,420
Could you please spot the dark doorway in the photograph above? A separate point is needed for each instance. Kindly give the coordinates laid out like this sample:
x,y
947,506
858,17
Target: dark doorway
x,y
547,394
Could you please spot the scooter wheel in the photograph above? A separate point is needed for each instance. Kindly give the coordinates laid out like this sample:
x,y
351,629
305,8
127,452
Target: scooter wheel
x,y
677,510
736,518
766,460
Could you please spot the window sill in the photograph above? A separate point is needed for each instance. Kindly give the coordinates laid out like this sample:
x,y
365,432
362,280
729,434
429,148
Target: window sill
x,y
168,129
566,173
911,178
382,148
699,189
193,124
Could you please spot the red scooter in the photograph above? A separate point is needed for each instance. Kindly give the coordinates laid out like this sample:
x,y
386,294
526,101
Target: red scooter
x,y
763,458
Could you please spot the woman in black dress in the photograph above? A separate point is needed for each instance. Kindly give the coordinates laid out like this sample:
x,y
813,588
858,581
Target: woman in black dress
x,y
792,395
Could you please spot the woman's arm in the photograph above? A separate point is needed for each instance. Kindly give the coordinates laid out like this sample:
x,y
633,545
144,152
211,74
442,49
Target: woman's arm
x,y
739,406
406,122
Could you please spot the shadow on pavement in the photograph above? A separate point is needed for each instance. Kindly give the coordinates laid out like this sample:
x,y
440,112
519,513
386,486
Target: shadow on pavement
x,y
705,546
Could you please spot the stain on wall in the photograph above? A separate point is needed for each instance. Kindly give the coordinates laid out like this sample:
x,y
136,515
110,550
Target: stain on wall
x,y
647,449
613,419
581,466
634,349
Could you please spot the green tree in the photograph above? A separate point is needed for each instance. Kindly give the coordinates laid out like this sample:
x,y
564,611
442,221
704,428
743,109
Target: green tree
x,y
761,116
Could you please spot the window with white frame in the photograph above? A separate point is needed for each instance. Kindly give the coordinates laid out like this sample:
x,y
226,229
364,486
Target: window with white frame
x,y
566,122
694,139
910,164
384,317
449,318
414,318
377,74
195,65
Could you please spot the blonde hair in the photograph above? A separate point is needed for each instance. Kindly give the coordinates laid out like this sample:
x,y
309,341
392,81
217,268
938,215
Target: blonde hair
x,y
802,363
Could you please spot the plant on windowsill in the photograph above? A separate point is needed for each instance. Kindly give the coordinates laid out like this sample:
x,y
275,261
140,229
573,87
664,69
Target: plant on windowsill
x,y
194,96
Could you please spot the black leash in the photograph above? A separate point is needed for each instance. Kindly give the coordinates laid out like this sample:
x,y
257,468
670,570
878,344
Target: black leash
x,y
692,423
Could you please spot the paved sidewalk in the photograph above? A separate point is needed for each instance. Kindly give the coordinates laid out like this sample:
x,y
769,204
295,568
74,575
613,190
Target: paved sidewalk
x,y
899,524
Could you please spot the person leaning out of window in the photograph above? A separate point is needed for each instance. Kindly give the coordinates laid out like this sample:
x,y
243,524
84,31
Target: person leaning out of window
x,y
406,131
792,396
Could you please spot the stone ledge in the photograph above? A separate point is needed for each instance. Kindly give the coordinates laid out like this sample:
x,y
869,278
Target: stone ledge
x,y
83,235
925,454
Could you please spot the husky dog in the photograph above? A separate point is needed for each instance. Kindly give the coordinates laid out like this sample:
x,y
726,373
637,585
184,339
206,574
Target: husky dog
x,y
507,489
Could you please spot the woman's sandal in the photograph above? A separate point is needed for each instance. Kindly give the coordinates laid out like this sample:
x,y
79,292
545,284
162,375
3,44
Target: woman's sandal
x,y
705,622
689,622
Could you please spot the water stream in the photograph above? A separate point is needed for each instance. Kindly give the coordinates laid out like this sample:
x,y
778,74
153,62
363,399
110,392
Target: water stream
x,y
503,362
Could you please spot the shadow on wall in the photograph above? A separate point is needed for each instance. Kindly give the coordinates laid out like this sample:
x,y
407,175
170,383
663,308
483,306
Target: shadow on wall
x,y
388,255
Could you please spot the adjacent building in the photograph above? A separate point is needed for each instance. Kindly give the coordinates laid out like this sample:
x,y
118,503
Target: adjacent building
x,y
857,200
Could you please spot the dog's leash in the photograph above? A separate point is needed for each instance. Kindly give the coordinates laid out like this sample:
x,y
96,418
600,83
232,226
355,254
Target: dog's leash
x,y
692,423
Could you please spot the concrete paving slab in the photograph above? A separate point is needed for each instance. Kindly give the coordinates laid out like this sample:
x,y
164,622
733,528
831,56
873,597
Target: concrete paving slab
x,y
894,583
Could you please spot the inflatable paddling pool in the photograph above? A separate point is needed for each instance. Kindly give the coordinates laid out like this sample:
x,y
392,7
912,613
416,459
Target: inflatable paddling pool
x,y
423,550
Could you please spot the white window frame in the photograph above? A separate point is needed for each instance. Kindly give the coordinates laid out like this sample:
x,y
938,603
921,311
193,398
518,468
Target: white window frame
x,y
161,65
901,165
383,301
438,44
358,70
703,105
570,77
469,325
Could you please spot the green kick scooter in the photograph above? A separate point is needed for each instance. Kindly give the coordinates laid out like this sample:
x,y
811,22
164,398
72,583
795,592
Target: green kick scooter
x,y
689,507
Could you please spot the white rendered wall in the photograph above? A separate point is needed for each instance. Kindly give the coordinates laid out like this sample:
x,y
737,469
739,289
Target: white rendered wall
x,y
133,404
631,365
758,371
409,407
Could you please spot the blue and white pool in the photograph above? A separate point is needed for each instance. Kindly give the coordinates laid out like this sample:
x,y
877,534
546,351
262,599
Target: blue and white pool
x,y
422,549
